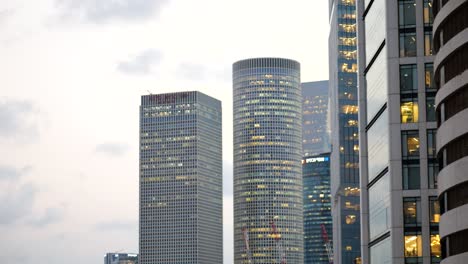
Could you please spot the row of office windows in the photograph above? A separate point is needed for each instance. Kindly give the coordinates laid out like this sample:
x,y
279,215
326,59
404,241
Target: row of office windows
x,y
407,27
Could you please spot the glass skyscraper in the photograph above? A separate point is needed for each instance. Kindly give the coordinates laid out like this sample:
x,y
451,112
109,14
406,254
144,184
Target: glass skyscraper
x,y
344,132
267,161
315,136
180,179
120,258
317,209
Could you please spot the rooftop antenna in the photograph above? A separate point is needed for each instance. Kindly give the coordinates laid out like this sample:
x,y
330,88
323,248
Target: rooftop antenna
x,y
149,92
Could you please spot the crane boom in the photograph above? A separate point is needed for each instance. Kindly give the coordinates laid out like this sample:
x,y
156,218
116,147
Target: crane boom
x,y
327,244
279,245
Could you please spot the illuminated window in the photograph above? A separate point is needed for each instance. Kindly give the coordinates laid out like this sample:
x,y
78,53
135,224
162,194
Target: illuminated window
x,y
409,108
434,210
352,67
412,212
435,246
349,248
428,17
410,143
413,246
429,76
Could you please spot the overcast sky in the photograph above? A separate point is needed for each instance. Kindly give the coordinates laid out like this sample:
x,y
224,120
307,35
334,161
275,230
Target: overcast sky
x,y
71,76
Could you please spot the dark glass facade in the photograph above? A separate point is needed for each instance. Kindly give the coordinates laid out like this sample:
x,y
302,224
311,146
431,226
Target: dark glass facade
x,y
267,160
180,179
315,136
317,209
344,132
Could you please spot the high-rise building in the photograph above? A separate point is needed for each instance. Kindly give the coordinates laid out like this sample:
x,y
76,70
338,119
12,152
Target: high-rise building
x,y
451,79
120,258
315,135
344,131
180,179
317,209
267,161
397,129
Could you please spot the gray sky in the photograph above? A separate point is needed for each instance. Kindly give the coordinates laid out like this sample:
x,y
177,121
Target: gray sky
x,y
72,72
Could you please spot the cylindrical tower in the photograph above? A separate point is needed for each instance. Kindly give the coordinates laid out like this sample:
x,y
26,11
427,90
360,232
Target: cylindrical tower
x,y
267,160
451,76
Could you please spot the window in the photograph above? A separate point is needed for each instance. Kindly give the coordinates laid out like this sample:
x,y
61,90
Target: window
x,y
428,43
434,211
406,13
408,78
429,76
408,44
430,107
413,247
410,144
409,108
412,212
427,13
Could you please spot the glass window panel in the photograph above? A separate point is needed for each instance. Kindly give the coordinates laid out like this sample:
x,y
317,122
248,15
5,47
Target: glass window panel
x,y
409,109
408,44
428,17
413,246
431,143
434,210
412,212
410,144
374,28
376,85
428,43
411,176
429,76
381,253
379,207
436,251
430,108
406,13
408,78
377,138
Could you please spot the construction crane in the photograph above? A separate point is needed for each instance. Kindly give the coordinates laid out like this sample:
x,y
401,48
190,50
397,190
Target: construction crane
x,y
327,244
245,234
279,245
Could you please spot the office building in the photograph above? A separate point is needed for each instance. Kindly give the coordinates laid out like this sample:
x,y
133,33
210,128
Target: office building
x,y
344,131
180,179
267,161
315,132
397,129
317,209
120,258
451,79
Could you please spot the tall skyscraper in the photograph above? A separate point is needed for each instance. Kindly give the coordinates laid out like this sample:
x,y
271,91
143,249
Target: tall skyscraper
x,y
317,209
451,78
344,132
400,213
180,179
267,161
120,258
315,137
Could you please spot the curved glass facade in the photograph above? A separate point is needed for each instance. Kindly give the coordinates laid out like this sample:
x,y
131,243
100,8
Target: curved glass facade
x,y
267,160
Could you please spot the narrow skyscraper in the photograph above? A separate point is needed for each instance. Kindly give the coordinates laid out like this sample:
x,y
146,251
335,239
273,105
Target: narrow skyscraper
x,y
317,209
397,129
267,161
344,132
180,179
120,258
451,78
315,136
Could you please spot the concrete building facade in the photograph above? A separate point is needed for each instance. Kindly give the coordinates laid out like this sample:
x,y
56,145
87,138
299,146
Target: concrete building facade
x,y
451,78
397,130
180,179
267,161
